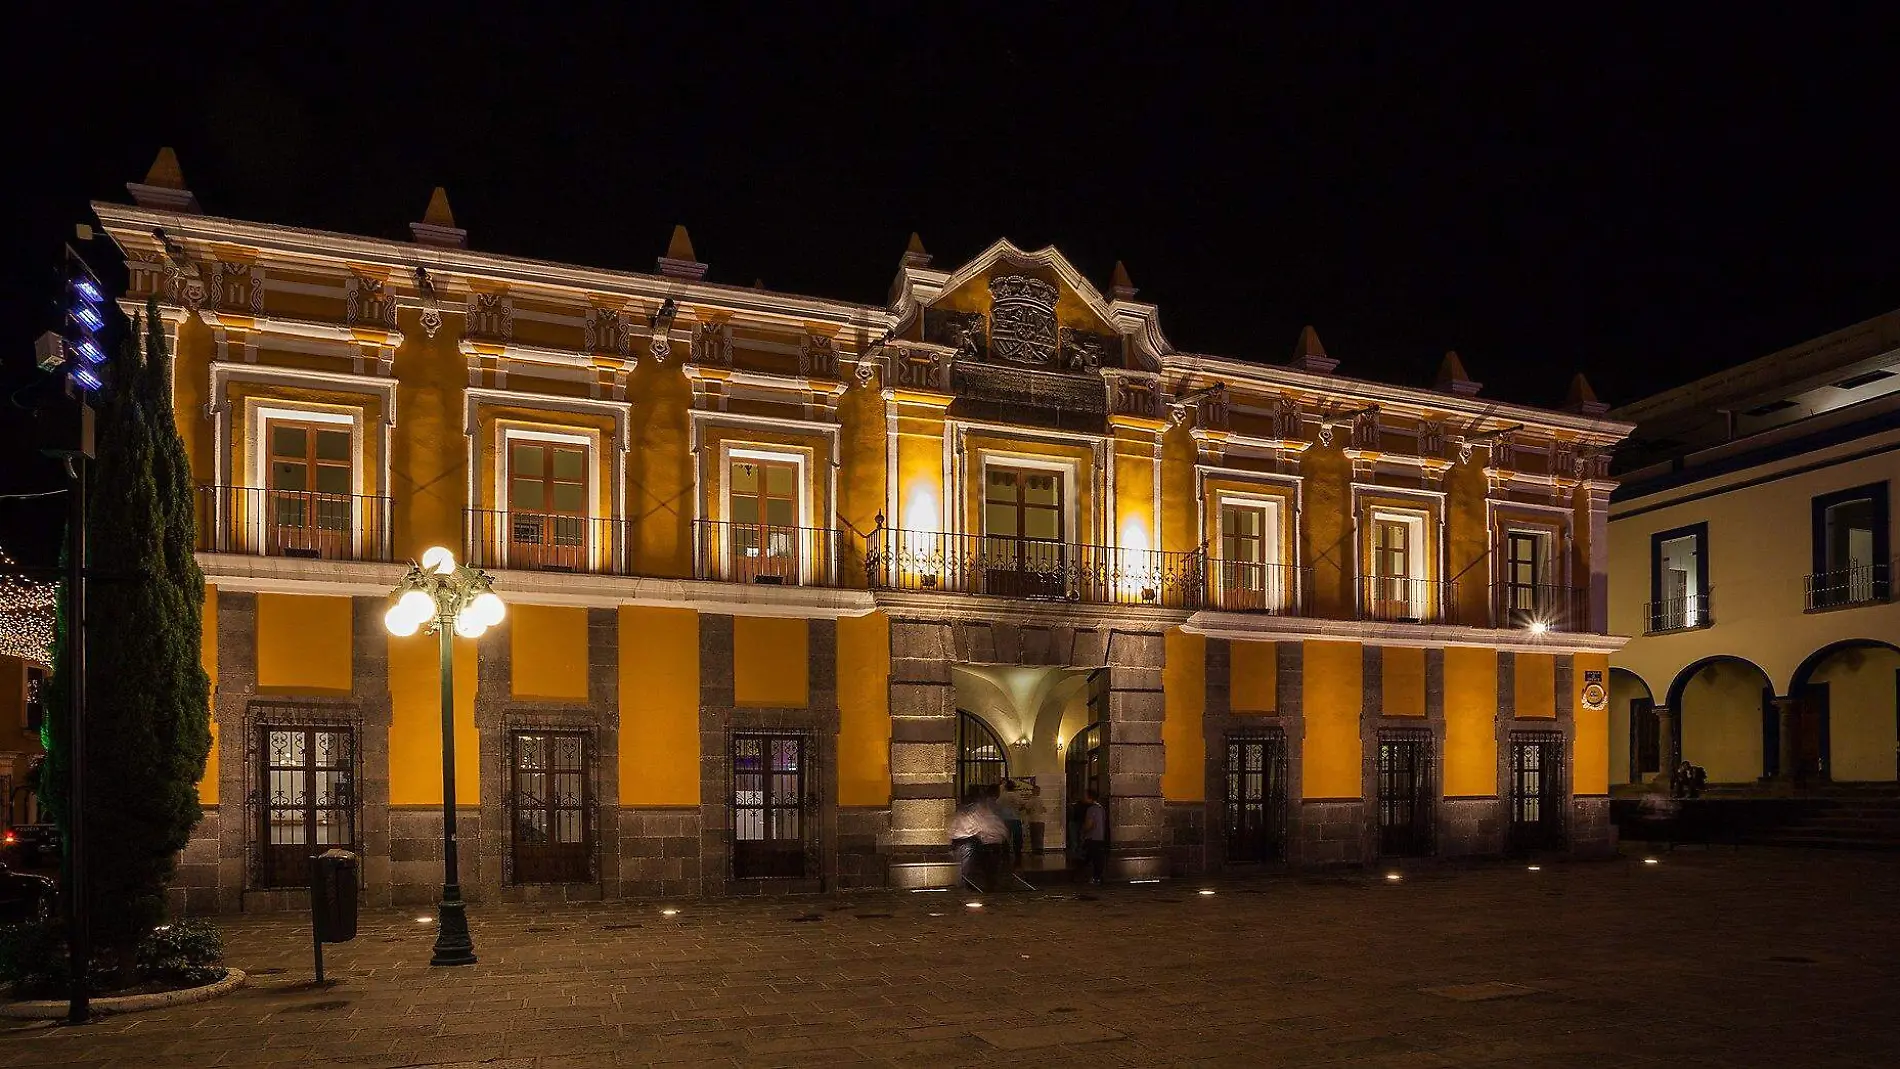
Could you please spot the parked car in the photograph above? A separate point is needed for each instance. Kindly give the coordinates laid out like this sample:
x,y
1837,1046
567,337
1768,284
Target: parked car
x,y
25,897
30,846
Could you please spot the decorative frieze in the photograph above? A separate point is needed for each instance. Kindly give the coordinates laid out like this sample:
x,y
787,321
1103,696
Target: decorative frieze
x,y
962,332
917,368
817,356
608,331
1133,393
367,302
712,344
491,316
239,287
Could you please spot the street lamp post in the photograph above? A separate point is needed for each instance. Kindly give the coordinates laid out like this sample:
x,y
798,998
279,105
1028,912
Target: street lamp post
x,y
453,600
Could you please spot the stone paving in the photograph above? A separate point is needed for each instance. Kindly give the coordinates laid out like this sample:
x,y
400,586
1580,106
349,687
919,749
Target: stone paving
x,y
1756,957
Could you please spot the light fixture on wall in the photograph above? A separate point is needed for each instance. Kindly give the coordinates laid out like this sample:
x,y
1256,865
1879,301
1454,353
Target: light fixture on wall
x,y
1023,741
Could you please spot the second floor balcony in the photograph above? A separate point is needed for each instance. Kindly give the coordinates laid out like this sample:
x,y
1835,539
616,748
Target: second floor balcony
x,y
293,523
1860,583
1404,599
1034,568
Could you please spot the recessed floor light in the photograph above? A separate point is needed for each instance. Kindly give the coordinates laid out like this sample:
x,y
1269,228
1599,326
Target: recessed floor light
x,y
424,920
669,913
1205,891
1537,868
1148,880
974,905
1651,861
1393,877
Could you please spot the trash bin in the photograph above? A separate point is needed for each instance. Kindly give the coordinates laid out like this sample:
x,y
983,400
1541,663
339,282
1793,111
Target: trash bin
x,y
333,896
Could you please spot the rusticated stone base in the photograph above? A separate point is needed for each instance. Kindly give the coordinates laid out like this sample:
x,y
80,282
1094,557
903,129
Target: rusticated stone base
x,y
1470,827
1591,832
415,854
864,837
196,887
659,853
1184,837
1331,833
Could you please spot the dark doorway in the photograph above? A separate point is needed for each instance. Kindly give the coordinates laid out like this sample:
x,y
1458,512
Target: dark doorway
x,y
551,807
1645,739
771,808
309,799
1255,800
1811,733
1405,793
1086,763
982,760
1537,791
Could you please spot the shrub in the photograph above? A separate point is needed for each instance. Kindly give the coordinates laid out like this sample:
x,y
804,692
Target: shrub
x,y
182,954
33,959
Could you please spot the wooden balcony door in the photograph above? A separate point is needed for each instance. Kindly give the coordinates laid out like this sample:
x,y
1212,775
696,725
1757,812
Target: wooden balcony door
x,y
1393,592
1523,578
1244,575
307,511
762,540
547,506
1023,550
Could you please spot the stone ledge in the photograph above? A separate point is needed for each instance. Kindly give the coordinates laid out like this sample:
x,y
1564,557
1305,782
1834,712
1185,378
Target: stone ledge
x,y
55,1010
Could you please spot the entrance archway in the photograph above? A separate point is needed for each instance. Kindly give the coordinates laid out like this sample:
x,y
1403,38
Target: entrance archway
x,y
1726,714
1847,724
1635,732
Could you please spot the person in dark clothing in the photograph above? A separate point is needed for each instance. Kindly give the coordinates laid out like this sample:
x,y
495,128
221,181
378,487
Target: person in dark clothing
x,y
1095,837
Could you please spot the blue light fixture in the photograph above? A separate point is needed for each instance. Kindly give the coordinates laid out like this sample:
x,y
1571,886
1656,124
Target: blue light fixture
x,y
83,375
89,317
89,351
89,289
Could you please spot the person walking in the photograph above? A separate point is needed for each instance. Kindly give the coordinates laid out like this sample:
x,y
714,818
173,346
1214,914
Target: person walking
x,y
976,836
1095,837
1012,820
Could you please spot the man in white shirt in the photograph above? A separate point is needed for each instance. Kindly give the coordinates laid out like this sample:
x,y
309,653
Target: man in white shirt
x,y
976,834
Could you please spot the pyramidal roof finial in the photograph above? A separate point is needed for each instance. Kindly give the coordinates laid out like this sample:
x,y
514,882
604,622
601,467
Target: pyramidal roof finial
x,y
1120,287
680,261
1582,399
1310,355
164,186
914,252
438,224
1452,377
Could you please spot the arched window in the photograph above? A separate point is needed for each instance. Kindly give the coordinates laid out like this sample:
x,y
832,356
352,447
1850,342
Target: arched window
x,y
982,760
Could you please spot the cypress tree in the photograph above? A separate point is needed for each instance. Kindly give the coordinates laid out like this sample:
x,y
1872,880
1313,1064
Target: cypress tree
x,y
147,695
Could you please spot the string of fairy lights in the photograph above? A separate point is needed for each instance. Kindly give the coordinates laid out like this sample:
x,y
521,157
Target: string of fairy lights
x,y
26,613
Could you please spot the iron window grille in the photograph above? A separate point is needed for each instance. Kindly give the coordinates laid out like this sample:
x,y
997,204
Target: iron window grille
x,y
1254,803
1405,793
774,805
551,806
982,759
1537,790
303,768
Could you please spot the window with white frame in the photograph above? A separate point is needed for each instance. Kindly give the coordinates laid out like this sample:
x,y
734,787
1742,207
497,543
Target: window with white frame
x,y
1250,570
546,489
304,477
761,535
1397,586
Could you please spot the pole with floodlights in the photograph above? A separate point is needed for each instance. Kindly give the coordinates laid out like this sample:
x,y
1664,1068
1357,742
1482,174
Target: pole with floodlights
x,y
451,599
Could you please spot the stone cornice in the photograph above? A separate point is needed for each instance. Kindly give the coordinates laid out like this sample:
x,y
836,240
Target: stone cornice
x,y
1255,628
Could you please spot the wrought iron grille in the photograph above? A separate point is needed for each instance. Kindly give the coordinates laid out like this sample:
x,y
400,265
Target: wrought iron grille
x,y
545,541
764,553
302,797
551,806
1035,568
1405,793
1255,799
982,759
774,826
1679,613
1860,583
1406,600
292,523
1537,790
1556,608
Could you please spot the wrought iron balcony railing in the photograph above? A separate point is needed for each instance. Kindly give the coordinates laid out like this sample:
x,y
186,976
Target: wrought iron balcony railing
x,y
1034,568
1680,613
1247,586
766,554
293,523
1400,599
1539,607
1857,584
545,542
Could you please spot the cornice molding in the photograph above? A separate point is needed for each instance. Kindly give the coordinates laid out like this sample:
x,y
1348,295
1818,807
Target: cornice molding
x,y
1259,628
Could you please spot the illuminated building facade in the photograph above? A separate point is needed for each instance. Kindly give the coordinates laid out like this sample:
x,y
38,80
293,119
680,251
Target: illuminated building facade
x,y
786,574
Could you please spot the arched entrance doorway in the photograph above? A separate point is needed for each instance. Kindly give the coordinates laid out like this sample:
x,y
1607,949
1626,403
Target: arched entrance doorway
x,y
1635,732
1846,720
1726,718
982,759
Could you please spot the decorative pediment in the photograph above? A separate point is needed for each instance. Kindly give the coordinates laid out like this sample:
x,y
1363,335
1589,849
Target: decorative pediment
x,y
1133,393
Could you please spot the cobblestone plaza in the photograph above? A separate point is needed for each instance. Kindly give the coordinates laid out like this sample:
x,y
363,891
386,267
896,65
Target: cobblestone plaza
x,y
1705,958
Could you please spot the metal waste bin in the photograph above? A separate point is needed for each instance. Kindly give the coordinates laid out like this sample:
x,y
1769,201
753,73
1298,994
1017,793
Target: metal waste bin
x,y
333,896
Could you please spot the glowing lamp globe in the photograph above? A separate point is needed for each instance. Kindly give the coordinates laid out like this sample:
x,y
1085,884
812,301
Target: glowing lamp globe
x,y
399,622
487,608
438,559
417,606
468,625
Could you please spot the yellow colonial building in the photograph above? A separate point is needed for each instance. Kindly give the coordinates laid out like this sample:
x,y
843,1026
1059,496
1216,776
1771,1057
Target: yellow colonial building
x,y
787,574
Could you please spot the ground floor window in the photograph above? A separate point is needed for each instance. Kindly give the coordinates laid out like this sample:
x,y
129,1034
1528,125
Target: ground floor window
x,y
982,760
771,806
305,798
1537,790
1254,802
1405,793
550,807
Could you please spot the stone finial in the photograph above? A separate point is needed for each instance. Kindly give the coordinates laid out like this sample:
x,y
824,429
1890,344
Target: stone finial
x,y
1119,286
1310,355
1582,399
679,261
914,254
1452,377
438,224
164,186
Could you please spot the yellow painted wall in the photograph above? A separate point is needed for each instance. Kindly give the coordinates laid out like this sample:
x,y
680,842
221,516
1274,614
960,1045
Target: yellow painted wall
x,y
428,462
1721,721
920,504
1334,681
1536,685
1180,527
1590,765
191,383
415,722
659,706
1471,713
1860,685
1327,516
864,710
208,653
548,652
660,470
1253,677
1467,538
303,644
861,477
1402,681
1135,525
1184,706
770,664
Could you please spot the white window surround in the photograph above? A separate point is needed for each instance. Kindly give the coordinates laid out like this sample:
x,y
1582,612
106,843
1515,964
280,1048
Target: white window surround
x,y
1069,469
1414,522
260,414
1551,523
799,456
474,398
231,459
1273,531
506,434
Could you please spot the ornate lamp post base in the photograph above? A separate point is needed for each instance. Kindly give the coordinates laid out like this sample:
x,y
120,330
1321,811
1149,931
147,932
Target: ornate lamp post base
x,y
452,943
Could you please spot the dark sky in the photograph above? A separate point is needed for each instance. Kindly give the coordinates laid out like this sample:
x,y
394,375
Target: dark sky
x,y
1646,194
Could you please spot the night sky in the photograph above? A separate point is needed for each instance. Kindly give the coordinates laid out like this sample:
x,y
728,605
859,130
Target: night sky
x,y
1647,196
